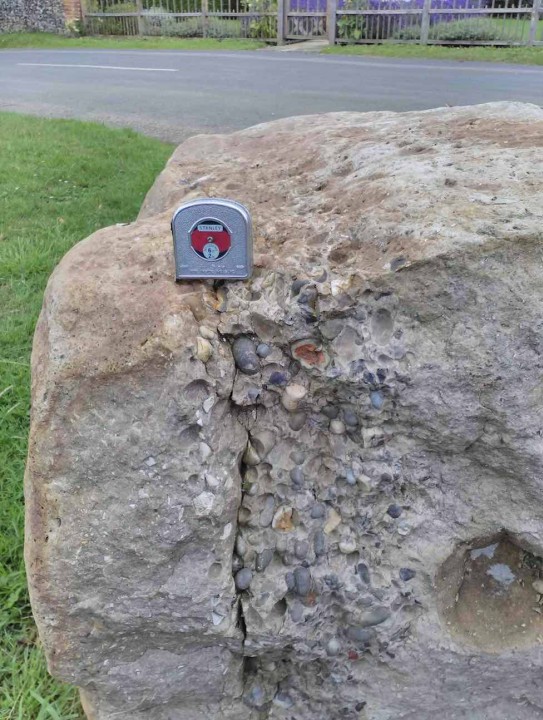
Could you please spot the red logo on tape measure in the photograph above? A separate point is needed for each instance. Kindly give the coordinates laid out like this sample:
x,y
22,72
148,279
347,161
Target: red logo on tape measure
x,y
210,239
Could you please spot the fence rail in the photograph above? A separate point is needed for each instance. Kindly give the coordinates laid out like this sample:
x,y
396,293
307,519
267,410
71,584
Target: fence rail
x,y
443,22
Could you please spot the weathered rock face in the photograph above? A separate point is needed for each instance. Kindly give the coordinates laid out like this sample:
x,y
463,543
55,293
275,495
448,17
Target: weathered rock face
x,y
318,493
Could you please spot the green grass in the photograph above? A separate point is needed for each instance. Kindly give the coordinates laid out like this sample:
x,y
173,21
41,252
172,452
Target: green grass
x,y
59,181
521,55
48,40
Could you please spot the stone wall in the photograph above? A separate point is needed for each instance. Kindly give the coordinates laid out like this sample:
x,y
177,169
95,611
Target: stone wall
x,y
32,15
317,493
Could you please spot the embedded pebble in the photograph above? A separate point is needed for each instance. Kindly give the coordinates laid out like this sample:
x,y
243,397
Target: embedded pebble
x,y
278,378
309,354
208,403
296,610
244,515
204,349
290,582
205,451
297,457
407,574
282,520
292,396
243,578
332,522
283,700
251,456
302,580
262,442
377,400
347,545
263,350
245,357
241,546
297,285
333,647
206,333
301,549
318,511
263,559
360,635
337,427
376,616
319,543
394,511
297,475
363,572
350,477
267,512
255,697
350,418
331,411
253,393
296,421
538,586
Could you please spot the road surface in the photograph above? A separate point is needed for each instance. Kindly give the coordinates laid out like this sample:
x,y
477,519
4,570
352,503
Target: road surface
x,y
174,94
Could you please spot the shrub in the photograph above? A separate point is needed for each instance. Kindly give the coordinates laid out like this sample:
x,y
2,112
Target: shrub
x,y
165,25
465,31
262,27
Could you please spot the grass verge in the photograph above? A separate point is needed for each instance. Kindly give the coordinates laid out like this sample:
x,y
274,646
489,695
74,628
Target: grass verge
x,y
59,181
515,55
49,40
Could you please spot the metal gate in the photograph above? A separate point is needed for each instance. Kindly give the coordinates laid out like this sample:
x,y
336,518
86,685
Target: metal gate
x,y
304,19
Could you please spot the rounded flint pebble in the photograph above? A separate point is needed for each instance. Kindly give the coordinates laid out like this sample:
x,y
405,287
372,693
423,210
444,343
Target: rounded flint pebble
x,y
377,400
302,580
263,350
319,543
297,475
278,378
394,511
350,418
333,647
243,578
318,511
360,635
263,559
297,420
363,572
407,574
245,357
330,411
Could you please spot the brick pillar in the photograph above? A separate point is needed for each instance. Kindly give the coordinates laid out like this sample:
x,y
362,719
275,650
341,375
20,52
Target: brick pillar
x,y
72,10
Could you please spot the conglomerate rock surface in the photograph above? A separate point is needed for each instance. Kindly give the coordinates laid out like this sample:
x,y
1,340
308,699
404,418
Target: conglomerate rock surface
x,y
317,493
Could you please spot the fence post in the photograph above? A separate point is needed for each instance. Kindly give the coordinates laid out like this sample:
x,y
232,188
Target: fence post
x,y
332,19
205,10
534,22
425,22
281,21
82,14
141,21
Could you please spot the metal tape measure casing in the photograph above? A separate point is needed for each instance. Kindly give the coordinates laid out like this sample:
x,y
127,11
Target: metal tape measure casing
x,y
212,238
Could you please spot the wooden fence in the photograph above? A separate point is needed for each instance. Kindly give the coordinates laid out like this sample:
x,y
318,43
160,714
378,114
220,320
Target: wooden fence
x,y
182,18
438,22
443,22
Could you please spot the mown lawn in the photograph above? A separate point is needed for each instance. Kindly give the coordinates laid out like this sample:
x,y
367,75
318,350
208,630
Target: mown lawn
x,y
49,40
59,181
515,55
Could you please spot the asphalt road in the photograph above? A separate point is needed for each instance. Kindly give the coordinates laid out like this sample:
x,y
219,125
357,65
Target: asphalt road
x,y
176,94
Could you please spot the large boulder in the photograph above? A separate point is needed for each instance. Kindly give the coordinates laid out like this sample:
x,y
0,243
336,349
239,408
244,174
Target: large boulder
x,y
355,530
